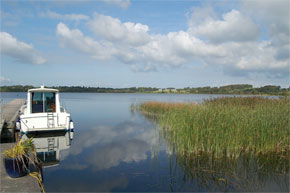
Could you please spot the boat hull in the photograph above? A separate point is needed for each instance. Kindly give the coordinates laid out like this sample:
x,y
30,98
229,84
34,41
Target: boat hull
x,y
45,122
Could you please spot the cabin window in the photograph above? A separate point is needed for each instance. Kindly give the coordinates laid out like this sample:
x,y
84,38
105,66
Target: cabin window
x,y
43,102
37,102
49,105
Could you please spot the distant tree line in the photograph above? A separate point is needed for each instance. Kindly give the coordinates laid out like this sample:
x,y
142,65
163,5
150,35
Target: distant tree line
x,y
228,89
241,89
20,88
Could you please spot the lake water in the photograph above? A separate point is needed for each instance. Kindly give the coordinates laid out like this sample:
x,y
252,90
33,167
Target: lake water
x,y
117,150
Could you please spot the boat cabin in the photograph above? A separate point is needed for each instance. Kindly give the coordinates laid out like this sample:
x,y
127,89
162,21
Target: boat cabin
x,y
43,100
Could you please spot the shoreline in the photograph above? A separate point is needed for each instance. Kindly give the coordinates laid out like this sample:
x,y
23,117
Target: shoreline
x,y
181,93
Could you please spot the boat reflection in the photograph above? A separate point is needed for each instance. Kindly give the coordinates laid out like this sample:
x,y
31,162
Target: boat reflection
x,y
49,146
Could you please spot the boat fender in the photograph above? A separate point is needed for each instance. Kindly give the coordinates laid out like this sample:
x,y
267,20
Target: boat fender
x,y
71,132
71,124
18,125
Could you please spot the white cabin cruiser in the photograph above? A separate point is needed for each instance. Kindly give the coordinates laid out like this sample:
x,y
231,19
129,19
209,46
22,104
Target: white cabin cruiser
x,y
43,112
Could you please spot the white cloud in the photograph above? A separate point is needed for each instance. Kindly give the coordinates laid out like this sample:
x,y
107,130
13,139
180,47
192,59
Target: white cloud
x,y
177,48
200,15
76,40
233,27
121,3
275,16
113,30
72,17
231,43
251,57
21,51
102,50
130,43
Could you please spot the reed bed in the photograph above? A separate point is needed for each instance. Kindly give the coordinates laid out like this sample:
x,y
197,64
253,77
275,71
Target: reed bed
x,y
225,126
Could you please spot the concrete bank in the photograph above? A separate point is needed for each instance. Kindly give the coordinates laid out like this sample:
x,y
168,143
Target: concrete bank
x,y
8,116
22,184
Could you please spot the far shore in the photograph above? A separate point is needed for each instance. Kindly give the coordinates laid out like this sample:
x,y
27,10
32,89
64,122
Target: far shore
x,y
238,89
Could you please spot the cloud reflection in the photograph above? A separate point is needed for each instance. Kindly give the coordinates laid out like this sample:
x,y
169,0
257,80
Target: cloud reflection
x,y
103,147
112,154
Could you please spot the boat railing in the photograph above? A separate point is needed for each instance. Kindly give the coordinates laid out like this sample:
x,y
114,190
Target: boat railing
x,y
62,109
21,110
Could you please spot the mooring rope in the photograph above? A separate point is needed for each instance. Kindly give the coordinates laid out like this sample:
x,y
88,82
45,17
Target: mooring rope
x,y
35,175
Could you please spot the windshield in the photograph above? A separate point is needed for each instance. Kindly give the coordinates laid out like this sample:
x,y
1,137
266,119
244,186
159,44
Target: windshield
x,y
43,102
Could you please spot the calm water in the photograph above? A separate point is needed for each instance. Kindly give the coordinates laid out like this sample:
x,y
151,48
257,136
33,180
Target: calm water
x,y
114,149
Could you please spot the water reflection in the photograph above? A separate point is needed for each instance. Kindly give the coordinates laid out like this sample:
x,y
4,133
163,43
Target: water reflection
x,y
103,147
49,145
105,158
114,150
246,173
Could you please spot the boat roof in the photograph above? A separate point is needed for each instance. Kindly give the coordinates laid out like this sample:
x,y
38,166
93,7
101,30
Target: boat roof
x,y
42,89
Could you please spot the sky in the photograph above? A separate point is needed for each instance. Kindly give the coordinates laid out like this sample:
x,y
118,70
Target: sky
x,y
145,43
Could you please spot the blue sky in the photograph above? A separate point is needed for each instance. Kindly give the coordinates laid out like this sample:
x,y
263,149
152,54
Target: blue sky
x,y
126,43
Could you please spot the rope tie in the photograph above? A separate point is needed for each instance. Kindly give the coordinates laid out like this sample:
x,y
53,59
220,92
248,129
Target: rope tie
x,y
35,175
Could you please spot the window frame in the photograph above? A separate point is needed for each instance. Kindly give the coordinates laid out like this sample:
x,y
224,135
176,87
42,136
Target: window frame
x,y
45,107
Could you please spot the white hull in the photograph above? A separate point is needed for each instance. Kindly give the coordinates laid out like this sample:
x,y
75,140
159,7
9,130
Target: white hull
x,y
45,122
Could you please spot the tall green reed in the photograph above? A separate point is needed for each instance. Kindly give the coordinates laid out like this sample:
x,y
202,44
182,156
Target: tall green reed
x,y
224,126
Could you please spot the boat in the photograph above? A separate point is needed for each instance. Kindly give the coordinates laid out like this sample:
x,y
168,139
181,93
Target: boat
x,y
43,112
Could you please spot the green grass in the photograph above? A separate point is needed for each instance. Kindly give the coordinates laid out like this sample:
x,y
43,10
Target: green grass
x,y
224,126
